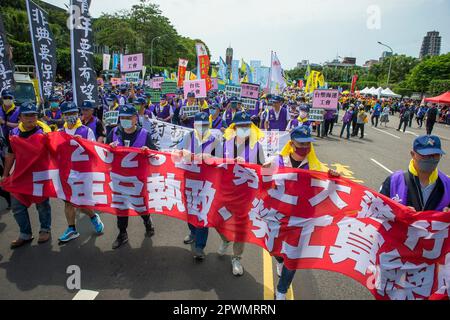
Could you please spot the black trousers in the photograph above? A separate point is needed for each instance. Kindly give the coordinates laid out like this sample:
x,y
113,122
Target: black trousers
x,y
4,193
430,125
360,126
411,117
345,126
122,222
376,120
419,122
354,128
403,122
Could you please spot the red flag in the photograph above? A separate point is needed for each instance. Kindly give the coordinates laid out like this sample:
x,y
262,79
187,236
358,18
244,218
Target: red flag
x,y
354,79
182,65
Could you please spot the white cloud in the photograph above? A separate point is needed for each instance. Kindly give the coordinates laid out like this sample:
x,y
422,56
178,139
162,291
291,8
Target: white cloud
x,y
299,29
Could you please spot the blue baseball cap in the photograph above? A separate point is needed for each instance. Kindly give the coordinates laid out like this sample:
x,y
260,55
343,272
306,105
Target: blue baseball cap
x,y
215,106
242,117
201,117
28,108
234,99
127,110
54,99
163,96
112,97
276,99
302,134
191,95
68,107
6,94
140,101
427,145
87,105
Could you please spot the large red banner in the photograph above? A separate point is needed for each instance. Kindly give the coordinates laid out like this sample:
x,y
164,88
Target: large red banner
x,y
311,219
182,65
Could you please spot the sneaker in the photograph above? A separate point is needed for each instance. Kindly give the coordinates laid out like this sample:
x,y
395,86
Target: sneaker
x,y
98,224
122,238
223,248
280,296
69,235
279,268
149,230
199,254
189,239
238,270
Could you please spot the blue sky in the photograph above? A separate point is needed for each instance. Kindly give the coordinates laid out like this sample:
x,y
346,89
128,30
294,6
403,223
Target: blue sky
x,y
316,30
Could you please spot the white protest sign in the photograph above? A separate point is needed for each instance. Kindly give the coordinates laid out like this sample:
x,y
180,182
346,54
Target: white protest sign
x,y
111,117
191,111
315,115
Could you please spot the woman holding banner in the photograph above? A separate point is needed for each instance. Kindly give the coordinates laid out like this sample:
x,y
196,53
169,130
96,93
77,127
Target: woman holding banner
x,y
297,153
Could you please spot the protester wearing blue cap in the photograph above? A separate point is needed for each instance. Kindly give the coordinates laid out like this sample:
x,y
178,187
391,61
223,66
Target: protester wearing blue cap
x,y
53,116
28,126
242,145
188,111
277,117
232,107
423,187
297,153
129,134
9,113
200,144
74,127
89,120
163,110
215,117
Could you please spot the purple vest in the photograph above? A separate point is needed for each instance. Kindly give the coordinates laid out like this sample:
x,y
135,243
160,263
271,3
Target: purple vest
x,y
162,112
399,189
138,143
205,147
80,131
12,117
281,163
347,117
58,114
282,121
246,152
16,131
93,125
218,123
229,117
295,123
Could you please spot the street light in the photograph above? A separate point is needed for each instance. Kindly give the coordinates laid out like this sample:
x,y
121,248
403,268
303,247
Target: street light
x,y
151,52
390,61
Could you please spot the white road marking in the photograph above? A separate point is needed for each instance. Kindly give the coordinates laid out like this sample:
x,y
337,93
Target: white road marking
x,y
85,295
392,135
414,134
382,166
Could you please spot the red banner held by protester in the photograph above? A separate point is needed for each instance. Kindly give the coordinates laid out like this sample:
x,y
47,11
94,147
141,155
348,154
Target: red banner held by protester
x,y
354,79
312,220
203,64
182,65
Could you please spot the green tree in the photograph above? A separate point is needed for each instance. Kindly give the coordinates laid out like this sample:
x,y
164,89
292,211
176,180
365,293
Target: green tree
x,y
430,68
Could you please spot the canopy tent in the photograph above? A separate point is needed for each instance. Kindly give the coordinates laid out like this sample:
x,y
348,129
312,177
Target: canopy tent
x,y
389,93
443,98
364,91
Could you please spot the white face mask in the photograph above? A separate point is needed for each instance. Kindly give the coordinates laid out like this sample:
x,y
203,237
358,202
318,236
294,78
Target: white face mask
x,y
8,102
243,132
110,103
126,124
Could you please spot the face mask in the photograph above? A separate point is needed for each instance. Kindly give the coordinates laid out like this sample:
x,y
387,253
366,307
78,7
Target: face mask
x,y
71,120
54,105
243,132
126,124
7,102
428,165
110,103
234,105
303,114
302,152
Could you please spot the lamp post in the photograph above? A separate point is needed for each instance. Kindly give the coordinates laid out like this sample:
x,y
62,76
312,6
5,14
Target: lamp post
x,y
151,52
390,61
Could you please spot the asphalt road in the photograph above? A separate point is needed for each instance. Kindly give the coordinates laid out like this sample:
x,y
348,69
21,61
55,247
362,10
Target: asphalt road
x,y
162,267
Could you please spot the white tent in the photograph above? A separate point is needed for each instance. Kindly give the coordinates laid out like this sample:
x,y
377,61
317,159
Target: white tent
x,y
389,93
364,91
372,91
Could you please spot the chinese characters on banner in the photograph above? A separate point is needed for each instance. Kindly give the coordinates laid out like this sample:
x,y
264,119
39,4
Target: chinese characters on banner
x,y
354,79
196,86
310,219
232,91
249,95
6,68
106,61
325,99
182,65
203,64
83,72
156,82
44,48
132,62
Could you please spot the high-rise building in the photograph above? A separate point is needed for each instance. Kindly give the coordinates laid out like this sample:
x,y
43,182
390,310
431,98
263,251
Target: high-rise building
x,y
229,56
385,54
431,45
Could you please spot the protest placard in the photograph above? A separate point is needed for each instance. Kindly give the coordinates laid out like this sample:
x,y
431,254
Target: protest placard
x,y
315,115
249,90
196,86
169,87
111,117
232,91
325,99
132,62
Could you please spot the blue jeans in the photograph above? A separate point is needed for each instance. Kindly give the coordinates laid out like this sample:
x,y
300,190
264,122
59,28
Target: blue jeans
x,y
285,280
22,217
200,236
346,125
